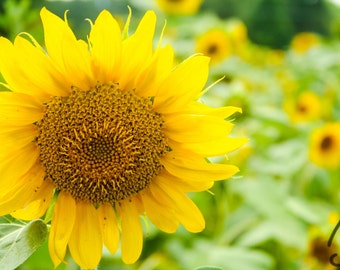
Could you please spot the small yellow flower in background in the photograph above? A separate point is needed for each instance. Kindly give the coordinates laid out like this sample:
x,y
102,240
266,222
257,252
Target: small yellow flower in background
x,y
275,57
241,156
238,37
333,218
318,251
287,81
180,7
324,149
307,107
216,44
238,32
302,42
112,130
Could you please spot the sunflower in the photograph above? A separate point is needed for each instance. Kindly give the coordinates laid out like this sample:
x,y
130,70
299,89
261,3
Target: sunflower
x,y
307,107
275,57
216,44
322,244
180,7
107,131
325,146
238,32
319,253
304,41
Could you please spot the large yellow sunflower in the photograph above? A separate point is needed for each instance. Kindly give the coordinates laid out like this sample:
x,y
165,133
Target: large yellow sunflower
x,y
111,131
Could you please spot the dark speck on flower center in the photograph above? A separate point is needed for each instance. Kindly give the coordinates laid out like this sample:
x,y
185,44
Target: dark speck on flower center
x,y
101,145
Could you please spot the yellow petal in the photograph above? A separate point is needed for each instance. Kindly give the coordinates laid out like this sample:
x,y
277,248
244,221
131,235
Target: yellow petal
x,y
37,208
38,71
182,85
86,240
19,109
137,51
55,31
71,55
192,168
186,128
15,72
14,138
105,38
63,219
132,234
198,108
108,222
223,112
217,147
147,83
200,184
17,165
20,193
187,212
162,216
8,65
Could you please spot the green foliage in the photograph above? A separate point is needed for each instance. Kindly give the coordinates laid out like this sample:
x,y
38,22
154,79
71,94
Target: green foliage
x,y
18,241
274,22
17,16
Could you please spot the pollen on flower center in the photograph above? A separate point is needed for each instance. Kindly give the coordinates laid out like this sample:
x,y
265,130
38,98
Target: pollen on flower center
x,y
101,145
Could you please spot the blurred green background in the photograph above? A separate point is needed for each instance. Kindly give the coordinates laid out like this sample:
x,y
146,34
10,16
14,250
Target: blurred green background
x,y
280,62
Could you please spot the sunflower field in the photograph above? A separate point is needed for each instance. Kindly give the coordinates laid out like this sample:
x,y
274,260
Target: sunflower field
x,y
266,73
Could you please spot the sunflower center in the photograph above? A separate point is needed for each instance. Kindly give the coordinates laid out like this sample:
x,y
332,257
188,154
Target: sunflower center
x,y
326,143
302,108
321,251
212,49
101,145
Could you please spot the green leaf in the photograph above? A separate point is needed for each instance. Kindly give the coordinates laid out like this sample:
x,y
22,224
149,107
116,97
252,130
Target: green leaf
x,y
304,209
18,241
288,232
207,252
